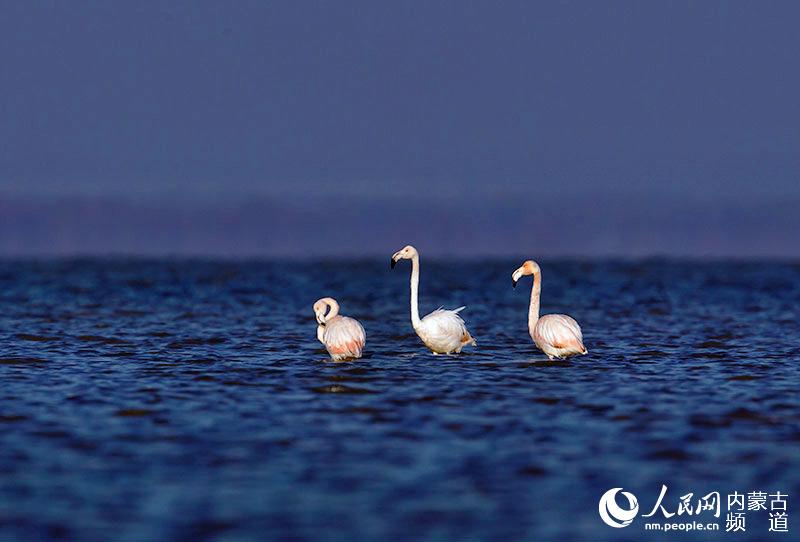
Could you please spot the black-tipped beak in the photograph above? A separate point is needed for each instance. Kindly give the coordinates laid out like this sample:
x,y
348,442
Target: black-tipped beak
x,y
392,263
513,283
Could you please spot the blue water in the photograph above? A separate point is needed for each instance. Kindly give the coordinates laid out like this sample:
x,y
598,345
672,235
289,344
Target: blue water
x,y
189,400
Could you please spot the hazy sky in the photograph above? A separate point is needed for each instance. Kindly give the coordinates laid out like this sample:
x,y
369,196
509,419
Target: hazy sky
x,y
611,113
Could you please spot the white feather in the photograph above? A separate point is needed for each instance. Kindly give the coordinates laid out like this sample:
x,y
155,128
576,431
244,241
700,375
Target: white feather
x,y
444,331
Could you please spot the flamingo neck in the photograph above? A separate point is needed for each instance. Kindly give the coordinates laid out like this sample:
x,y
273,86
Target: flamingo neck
x,y
334,306
533,310
321,334
415,321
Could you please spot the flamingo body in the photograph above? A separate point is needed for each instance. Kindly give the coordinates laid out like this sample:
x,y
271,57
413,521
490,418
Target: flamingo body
x,y
558,336
343,337
444,331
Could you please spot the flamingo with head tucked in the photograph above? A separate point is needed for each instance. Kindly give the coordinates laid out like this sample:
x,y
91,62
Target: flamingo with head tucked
x,y
443,331
557,335
342,336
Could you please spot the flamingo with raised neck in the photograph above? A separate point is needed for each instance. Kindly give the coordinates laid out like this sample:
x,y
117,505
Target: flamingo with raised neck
x,y
443,330
557,335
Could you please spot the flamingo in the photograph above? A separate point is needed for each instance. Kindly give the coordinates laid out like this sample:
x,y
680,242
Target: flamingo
x,y
343,337
443,331
557,335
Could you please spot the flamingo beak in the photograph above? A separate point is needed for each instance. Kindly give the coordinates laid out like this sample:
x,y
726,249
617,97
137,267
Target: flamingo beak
x,y
392,262
513,283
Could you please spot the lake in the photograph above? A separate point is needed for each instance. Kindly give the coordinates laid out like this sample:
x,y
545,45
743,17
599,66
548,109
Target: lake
x,y
190,400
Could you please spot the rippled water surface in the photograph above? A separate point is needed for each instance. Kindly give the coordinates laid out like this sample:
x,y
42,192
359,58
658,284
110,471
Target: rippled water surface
x,y
189,400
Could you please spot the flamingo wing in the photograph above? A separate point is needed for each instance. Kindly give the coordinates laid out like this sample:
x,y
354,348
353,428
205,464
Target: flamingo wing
x,y
344,337
444,331
445,323
560,331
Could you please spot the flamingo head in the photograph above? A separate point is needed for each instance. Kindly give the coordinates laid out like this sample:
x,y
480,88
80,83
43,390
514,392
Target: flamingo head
x,y
321,306
528,268
405,253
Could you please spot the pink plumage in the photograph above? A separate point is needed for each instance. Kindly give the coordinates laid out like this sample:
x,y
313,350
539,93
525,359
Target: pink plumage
x,y
343,337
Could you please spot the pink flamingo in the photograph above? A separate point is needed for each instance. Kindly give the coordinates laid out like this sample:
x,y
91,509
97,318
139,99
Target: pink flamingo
x,y
343,337
557,335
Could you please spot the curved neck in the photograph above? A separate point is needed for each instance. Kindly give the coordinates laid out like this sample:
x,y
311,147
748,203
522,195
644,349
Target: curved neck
x,y
334,309
415,321
533,310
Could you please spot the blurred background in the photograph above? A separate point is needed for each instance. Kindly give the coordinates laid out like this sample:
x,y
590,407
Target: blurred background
x,y
266,129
